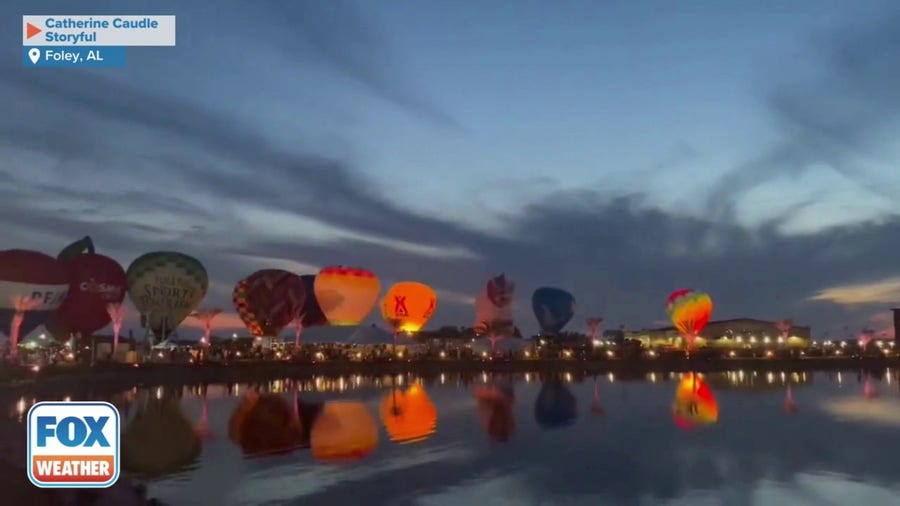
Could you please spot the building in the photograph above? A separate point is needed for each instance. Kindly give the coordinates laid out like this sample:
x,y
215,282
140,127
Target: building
x,y
738,330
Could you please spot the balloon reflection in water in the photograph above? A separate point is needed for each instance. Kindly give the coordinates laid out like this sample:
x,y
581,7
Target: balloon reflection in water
x,y
159,439
343,431
408,416
694,403
495,410
555,406
790,407
264,424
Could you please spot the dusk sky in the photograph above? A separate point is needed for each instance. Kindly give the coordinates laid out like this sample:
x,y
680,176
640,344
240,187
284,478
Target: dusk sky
x,y
619,150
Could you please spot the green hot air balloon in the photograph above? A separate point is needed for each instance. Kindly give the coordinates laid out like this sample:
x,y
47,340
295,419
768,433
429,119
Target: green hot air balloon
x,y
166,287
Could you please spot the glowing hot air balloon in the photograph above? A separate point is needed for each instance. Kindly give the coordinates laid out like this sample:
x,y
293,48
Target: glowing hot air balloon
x,y
94,282
32,286
494,307
268,300
166,287
407,306
553,308
690,312
410,416
346,294
694,403
343,431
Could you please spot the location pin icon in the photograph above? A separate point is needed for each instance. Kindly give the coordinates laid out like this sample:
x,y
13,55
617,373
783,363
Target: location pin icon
x,y
34,53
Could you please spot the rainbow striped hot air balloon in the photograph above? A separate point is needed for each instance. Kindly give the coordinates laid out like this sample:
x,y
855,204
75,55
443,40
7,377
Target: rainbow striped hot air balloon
x,y
694,403
689,311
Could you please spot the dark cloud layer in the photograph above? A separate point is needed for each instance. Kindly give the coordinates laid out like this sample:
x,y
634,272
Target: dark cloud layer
x,y
619,256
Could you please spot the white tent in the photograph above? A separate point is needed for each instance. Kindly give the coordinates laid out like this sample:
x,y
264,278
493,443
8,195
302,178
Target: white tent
x,y
503,345
324,335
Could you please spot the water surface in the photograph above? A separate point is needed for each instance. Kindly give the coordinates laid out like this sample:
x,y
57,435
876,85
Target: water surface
x,y
531,441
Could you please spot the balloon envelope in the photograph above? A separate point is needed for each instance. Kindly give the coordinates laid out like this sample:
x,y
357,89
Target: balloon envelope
x,y
33,281
408,416
494,307
160,439
312,313
94,281
555,406
343,430
694,403
408,305
346,294
264,424
268,300
689,311
166,287
553,308
495,411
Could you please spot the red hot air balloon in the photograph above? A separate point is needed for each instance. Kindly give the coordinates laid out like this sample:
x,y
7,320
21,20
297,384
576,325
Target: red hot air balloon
x,y
94,281
32,286
268,300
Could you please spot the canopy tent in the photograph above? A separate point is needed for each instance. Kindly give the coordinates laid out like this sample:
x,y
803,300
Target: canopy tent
x,y
503,345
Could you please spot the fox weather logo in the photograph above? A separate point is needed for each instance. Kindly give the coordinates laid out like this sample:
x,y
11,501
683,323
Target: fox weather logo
x,y
73,444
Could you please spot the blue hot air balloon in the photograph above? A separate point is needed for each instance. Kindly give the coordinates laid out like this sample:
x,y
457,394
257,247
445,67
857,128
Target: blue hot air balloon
x,y
553,308
555,406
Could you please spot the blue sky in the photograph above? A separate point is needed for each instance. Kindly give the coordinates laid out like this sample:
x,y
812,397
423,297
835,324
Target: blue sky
x,y
583,144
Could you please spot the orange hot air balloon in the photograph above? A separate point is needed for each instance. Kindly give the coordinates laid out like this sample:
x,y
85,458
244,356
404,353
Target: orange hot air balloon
x,y
410,416
690,311
694,403
346,294
408,305
343,431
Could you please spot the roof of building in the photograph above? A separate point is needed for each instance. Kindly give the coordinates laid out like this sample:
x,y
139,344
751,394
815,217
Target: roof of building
x,y
731,321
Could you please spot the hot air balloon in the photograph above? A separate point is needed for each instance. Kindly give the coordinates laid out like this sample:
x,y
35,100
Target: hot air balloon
x,y
495,411
553,308
264,424
346,294
166,287
268,300
555,405
343,431
694,403
160,439
409,416
32,286
494,307
94,282
689,311
407,306
312,313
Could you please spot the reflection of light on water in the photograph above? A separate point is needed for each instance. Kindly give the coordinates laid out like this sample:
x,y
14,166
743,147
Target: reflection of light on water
x,y
527,377
20,406
443,378
857,409
840,378
484,377
611,377
158,393
568,377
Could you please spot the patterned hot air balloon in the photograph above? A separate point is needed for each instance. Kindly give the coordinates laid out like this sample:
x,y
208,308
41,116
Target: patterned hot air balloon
x,y
166,287
689,311
694,403
553,308
312,313
408,416
32,286
94,281
346,294
407,306
494,307
268,300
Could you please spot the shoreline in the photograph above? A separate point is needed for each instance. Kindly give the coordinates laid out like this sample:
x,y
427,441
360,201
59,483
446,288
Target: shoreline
x,y
115,377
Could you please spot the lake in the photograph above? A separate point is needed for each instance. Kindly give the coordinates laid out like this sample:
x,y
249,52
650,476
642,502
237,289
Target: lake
x,y
737,438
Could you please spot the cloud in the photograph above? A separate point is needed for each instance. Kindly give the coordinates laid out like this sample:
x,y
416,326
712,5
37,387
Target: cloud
x,y
836,122
883,292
